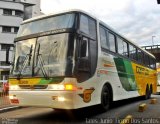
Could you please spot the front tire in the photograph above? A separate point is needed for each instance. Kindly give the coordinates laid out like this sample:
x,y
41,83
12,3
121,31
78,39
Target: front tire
x,y
105,98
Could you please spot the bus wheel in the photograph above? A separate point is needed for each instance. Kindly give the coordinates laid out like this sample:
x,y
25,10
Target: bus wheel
x,y
151,90
105,98
148,93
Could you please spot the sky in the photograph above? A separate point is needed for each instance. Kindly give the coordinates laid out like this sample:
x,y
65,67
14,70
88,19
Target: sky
x,y
137,20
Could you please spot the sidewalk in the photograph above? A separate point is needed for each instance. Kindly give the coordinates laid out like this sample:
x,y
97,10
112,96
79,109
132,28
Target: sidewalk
x,y
4,100
5,103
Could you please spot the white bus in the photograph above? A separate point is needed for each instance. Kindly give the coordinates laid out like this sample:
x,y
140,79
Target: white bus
x,y
71,60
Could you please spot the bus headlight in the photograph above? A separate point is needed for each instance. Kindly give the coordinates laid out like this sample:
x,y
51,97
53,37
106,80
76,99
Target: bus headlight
x,y
13,87
65,87
56,87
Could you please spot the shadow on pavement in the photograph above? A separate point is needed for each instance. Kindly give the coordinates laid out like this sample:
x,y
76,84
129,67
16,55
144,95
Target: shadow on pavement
x,y
78,116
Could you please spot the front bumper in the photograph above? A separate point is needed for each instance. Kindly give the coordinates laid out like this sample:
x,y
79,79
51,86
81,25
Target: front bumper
x,y
51,99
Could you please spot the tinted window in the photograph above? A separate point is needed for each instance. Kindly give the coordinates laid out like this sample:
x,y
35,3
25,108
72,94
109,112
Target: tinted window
x,y
140,56
103,38
6,29
16,29
125,49
122,47
47,24
7,12
152,63
84,47
88,26
112,42
18,13
132,52
146,60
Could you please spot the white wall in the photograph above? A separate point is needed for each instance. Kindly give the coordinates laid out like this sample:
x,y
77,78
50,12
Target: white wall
x,y
1,11
7,38
10,20
34,10
11,5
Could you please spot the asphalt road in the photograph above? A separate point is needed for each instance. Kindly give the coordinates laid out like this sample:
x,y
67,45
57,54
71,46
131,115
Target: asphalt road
x,y
119,110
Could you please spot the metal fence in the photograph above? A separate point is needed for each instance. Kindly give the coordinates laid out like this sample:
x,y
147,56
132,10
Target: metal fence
x,y
151,47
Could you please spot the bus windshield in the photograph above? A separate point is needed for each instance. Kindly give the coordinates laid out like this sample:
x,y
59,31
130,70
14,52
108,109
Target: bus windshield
x,y
42,56
46,24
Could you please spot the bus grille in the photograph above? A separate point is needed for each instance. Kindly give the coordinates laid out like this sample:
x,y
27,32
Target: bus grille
x,y
33,86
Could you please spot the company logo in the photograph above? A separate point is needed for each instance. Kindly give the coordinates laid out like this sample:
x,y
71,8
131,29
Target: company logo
x,y
87,95
142,71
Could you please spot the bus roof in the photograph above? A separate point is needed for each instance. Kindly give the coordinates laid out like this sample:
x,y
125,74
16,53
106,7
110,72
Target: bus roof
x,y
78,10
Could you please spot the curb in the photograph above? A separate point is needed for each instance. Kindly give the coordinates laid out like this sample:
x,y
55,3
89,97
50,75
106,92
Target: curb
x,y
9,109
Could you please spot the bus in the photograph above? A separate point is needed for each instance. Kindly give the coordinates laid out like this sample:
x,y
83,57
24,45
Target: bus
x,y
71,60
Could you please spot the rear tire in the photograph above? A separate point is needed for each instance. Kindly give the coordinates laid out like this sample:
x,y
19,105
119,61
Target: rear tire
x,y
151,90
148,93
105,98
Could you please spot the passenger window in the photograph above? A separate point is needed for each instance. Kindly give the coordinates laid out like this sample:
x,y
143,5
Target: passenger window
x,y
83,60
140,56
132,52
88,26
146,60
125,49
152,63
103,38
112,42
122,47
84,48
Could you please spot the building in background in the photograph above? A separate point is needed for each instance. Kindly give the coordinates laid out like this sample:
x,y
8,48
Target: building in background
x,y
12,13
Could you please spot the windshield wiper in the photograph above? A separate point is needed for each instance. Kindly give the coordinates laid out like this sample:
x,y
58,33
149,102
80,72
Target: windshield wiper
x,y
27,59
41,62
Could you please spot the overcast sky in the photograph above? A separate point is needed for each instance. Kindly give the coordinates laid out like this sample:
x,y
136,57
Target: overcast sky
x,y
137,20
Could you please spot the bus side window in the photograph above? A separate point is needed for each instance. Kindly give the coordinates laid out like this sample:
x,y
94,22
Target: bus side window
x,y
152,63
146,60
140,55
84,48
122,47
103,38
132,52
112,42
83,57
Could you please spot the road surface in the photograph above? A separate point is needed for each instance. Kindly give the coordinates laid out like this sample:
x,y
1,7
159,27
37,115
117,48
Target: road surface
x,y
120,109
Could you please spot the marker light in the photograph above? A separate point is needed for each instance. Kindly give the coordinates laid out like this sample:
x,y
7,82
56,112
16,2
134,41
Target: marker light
x,y
68,87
